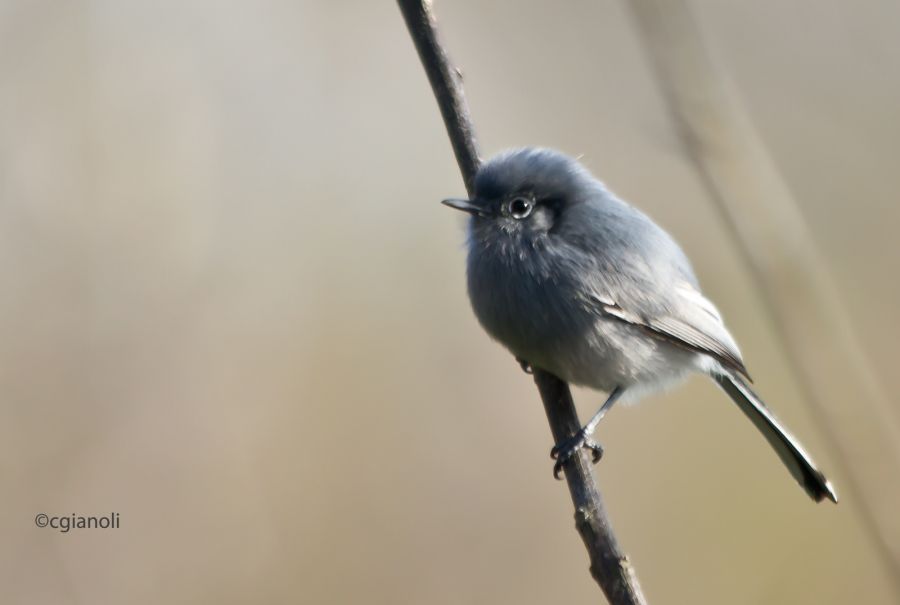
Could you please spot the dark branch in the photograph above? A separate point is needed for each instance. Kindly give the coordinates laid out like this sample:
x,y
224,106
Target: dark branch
x,y
446,83
609,565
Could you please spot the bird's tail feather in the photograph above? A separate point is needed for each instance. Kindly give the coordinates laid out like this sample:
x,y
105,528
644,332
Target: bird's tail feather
x,y
788,449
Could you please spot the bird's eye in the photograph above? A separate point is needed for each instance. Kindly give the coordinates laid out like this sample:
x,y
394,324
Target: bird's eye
x,y
520,207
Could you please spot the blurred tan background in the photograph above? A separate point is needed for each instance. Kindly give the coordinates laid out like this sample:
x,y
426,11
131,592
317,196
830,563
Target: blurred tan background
x,y
233,311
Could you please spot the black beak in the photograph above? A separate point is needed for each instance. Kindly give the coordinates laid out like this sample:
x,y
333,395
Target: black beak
x,y
466,206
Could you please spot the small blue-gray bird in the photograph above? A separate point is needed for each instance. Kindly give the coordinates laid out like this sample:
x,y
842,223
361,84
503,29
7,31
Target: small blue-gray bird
x,y
576,282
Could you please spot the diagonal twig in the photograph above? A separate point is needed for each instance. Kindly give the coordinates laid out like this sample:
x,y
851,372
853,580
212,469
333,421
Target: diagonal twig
x,y
609,565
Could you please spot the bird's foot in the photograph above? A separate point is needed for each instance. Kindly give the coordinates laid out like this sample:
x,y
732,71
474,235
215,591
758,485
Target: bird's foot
x,y
564,450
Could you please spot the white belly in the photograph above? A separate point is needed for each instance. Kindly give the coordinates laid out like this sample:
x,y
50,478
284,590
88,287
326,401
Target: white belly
x,y
615,354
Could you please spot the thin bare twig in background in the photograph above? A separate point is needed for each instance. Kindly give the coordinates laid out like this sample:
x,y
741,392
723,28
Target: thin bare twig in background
x,y
823,350
609,565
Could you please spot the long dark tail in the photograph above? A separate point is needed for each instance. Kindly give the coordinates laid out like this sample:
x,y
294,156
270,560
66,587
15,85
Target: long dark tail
x,y
788,449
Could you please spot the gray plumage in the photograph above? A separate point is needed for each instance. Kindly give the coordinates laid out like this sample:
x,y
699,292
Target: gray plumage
x,y
581,284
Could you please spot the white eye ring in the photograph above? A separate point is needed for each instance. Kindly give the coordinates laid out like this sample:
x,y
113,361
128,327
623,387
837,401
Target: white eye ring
x,y
520,207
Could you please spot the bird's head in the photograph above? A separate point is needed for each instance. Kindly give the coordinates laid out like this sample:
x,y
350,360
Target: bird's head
x,y
525,192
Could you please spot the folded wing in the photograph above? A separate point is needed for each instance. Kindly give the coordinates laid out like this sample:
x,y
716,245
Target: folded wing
x,y
689,321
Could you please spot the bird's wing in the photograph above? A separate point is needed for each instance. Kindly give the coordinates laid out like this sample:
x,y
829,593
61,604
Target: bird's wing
x,y
691,322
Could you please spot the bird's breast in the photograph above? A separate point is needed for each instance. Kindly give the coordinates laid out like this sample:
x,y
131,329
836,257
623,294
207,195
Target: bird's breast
x,y
525,300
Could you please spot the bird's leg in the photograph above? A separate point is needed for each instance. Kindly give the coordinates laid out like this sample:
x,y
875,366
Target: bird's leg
x,y
526,367
564,450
